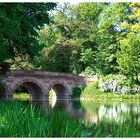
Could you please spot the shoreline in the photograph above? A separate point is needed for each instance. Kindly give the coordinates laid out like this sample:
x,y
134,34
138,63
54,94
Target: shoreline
x,y
110,96
101,99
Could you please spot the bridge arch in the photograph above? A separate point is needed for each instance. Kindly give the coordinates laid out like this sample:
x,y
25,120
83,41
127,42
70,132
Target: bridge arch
x,y
61,90
33,87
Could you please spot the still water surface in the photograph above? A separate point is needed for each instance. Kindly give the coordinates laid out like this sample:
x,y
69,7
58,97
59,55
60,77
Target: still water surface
x,y
94,112
124,115
108,115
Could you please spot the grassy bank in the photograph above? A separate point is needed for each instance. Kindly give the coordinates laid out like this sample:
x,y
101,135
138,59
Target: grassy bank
x,y
109,96
26,96
92,92
21,96
20,119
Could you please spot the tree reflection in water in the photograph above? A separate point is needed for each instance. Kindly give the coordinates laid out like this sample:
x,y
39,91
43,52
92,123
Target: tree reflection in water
x,y
94,112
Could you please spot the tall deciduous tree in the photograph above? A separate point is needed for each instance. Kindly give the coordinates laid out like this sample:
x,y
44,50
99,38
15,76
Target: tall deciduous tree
x,y
108,37
75,23
129,53
129,57
18,27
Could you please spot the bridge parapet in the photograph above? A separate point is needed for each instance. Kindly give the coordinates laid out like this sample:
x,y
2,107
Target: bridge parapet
x,y
53,75
43,74
39,73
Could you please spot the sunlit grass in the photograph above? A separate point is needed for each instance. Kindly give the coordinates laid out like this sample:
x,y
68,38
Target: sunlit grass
x,y
94,93
110,96
21,96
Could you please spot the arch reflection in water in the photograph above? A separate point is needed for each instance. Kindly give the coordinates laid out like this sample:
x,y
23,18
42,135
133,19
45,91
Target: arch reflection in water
x,y
52,98
94,112
58,95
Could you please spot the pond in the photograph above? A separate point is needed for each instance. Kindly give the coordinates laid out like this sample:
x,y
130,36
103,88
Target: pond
x,y
70,118
108,115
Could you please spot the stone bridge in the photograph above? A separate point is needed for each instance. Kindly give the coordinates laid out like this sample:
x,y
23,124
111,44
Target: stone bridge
x,y
39,83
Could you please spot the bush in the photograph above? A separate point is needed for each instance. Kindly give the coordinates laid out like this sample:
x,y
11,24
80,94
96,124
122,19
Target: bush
x,y
117,84
108,77
88,72
77,91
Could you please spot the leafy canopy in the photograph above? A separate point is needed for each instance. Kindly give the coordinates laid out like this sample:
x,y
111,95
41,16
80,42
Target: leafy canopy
x,y
18,27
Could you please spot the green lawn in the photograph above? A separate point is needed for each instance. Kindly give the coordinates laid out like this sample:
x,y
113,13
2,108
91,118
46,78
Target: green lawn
x,y
110,96
91,92
21,96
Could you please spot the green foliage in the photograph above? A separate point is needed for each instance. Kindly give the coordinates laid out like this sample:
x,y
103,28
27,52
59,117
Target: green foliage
x,y
91,90
76,31
76,104
108,37
88,72
129,58
18,24
60,124
24,120
120,79
59,57
87,58
97,39
77,92
109,77
21,62
126,82
82,39
97,94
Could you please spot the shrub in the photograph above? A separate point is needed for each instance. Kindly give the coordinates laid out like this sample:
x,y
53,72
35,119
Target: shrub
x,y
88,72
77,91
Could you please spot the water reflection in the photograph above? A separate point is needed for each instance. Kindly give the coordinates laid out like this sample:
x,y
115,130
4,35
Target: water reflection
x,y
118,112
94,112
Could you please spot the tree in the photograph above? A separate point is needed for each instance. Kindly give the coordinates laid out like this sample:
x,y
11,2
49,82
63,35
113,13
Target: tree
x,y
18,27
76,24
108,37
129,54
129,57
58,57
